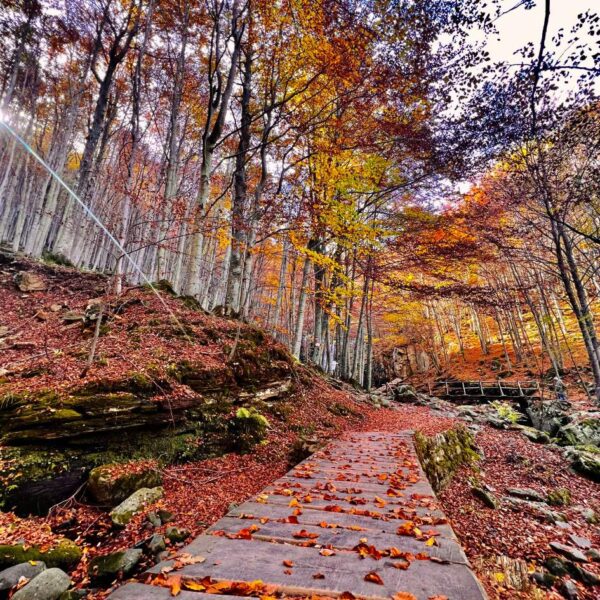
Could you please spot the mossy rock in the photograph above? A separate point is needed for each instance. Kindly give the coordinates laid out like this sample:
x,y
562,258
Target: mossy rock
x,y
441,455
111,484
64,555
124,512
586,461
135,383
105,569
559,497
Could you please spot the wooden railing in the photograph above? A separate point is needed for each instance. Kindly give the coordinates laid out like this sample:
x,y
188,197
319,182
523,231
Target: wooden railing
x,y
482,388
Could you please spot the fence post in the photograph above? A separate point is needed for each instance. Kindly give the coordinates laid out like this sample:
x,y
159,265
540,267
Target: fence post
x,y
447,389
500,386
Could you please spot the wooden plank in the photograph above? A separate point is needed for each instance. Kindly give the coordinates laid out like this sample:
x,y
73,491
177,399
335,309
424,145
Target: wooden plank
x,y
329,545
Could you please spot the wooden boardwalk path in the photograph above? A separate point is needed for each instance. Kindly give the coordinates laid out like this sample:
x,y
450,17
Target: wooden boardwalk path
x,y
356,520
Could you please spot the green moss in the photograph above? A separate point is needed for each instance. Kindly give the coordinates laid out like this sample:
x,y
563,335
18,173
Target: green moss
x,y
51,258
65,554
441,455
559,497
247,429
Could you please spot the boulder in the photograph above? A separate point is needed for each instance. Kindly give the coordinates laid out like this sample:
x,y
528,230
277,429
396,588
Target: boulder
x,y
593,554
556,566
570,552
123,513
165,515
585,460
156,544
111,484
28,281
48,585
105,569
548,415
64,554
569,590
10,577
486,497
535,435
404,393
526,494
441,455
175,534
584,429
545,580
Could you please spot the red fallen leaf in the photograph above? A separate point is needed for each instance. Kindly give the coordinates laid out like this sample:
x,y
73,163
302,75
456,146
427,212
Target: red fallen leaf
x,y
404,596
373,578
333,508
305,534
437,559
287,572
318,576
293,519
347,596
422,556
288,563
438,598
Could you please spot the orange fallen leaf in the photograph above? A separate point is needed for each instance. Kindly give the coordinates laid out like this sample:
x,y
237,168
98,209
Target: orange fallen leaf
x,y
404,596
193,586
288,563
374,578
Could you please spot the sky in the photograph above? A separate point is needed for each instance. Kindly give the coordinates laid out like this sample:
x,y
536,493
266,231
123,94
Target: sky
x,y
520,26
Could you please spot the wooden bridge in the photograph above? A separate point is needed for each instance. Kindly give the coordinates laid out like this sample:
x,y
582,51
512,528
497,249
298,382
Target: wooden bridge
x,y
358,520
486,389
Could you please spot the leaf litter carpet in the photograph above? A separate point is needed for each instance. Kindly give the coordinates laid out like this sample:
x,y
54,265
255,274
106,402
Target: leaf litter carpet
x,y
358,519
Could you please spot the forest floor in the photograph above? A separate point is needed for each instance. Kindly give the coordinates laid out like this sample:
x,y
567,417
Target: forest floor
x,y
41,351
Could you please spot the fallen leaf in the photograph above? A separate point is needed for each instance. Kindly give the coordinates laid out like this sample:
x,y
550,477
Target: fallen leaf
x,y
374,578
305,534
